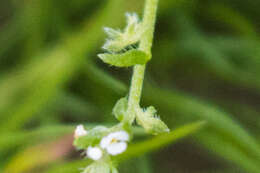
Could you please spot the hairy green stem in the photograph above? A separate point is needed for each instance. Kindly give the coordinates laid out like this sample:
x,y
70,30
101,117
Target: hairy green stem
x,y
139,70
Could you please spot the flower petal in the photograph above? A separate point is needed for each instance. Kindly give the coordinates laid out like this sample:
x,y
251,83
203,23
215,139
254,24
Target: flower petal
x,y
119,135
116,148
94,153
106,141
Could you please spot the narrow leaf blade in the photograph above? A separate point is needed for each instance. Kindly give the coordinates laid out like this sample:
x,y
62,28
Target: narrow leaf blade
x,y
127,59
160,141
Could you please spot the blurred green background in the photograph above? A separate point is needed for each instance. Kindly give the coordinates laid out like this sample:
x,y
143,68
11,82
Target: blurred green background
x,y
205,66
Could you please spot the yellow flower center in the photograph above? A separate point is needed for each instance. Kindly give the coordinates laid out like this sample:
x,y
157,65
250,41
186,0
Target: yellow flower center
x,y
113,141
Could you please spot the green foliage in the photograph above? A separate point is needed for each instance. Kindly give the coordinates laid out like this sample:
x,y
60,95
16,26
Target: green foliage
x,y
101,143
206,54
99,167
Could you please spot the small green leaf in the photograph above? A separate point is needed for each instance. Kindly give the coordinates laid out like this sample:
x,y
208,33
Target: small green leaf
x,y
127,59
92,138
84,141
120,108
150,122
98,167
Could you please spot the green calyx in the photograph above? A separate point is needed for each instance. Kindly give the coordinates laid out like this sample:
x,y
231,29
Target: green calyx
x,y
147,118
118,40
150,121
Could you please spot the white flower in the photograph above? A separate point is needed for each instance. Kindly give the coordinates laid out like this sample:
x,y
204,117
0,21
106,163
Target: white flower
x,y
80,131
115,143
94,153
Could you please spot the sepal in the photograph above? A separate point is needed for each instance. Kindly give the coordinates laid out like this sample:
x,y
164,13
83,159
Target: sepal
x,y
150,121
119,40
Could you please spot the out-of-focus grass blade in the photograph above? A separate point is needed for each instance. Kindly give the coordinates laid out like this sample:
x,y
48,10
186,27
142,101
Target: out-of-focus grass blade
x,y
24,26
141,164
69,167
40,155
194,42
246,51
106,80
57,66
145,165
219,121
230,151
166,6
217,62
231,17
12,139
160,141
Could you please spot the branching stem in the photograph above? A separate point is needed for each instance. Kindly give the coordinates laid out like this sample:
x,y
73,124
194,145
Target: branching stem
x,y
148,23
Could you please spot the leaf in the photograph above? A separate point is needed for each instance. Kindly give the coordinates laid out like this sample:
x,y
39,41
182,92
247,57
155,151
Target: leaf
x,y
68,166
157,142
150,122
92,138
98,167
221,124
120,108
127,59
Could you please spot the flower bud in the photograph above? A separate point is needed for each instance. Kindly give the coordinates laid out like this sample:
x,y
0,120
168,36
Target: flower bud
x,y
120,108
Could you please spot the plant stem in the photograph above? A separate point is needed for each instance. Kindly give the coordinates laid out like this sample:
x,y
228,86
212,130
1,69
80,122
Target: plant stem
x,y
148,23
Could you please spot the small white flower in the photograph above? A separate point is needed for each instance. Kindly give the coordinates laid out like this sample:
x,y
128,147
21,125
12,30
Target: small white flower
x,y
94,153
80,131
115,143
